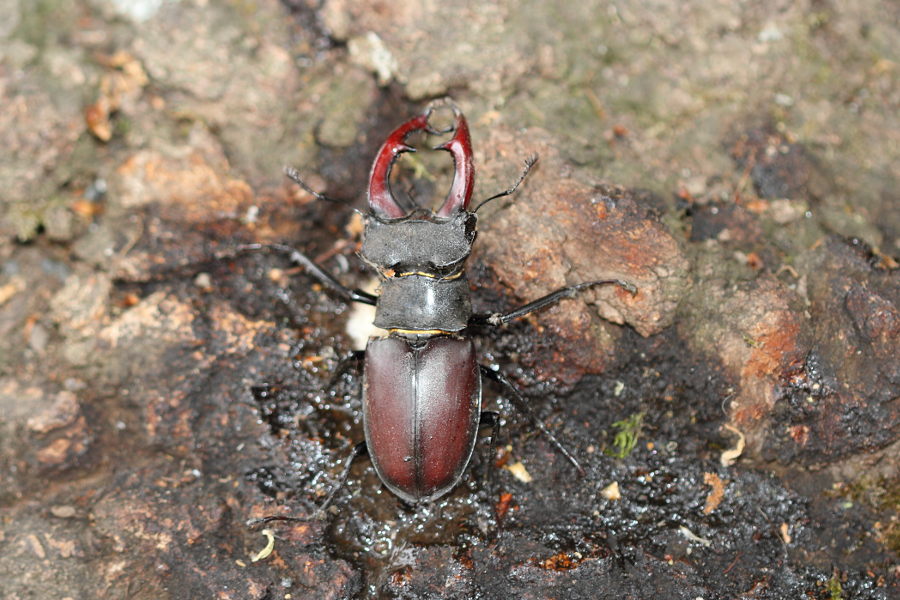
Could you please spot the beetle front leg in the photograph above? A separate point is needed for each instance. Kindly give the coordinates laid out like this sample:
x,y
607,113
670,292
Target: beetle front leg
x,y
323,276
494,374
544,301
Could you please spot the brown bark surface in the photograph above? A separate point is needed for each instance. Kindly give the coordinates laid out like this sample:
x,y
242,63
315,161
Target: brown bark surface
x,y
737,417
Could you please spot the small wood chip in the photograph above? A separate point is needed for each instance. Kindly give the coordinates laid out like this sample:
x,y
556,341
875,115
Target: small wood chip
x,y
611,492
519,472
786,533
714,499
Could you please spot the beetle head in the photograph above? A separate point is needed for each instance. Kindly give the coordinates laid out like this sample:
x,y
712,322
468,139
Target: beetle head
x,y
381,199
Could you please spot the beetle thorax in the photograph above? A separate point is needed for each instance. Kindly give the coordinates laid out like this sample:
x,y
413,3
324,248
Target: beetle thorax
x,y
420,259
435,246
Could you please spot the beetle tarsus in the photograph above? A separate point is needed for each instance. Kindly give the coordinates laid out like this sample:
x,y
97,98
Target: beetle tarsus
x,y
521,405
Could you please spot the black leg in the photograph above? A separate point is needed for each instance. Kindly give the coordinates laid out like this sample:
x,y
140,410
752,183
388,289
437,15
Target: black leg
x,y
490,419
529,163
324,277
359,449
551,298
353,360
521,405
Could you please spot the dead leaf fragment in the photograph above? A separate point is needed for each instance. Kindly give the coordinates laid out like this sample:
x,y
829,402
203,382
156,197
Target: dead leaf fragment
x,y
270,546
730,456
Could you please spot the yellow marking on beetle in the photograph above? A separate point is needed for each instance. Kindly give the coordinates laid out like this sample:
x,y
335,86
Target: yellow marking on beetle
x,y
422,331
423,274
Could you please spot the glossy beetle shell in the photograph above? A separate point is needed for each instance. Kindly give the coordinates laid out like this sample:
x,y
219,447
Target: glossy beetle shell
x,y
421,408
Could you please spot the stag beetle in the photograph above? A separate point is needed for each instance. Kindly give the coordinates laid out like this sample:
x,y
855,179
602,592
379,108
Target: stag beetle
x,y
422,382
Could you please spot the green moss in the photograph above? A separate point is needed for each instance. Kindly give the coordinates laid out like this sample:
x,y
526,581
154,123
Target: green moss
x,y
626,438
882,495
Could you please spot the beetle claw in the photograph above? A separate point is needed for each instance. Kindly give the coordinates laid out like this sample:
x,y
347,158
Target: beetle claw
x,y
381,199
460,147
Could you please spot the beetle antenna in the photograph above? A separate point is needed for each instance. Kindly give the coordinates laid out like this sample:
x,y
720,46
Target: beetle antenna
x,y
294,175
529,164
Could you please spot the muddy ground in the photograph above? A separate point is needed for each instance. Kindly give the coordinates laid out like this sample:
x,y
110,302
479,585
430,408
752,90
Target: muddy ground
x,y
737,417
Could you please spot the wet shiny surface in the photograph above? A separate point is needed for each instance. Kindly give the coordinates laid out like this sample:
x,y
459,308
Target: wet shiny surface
x,y
420,412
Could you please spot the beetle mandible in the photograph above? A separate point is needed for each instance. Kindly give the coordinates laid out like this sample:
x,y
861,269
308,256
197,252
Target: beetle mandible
x,y
422,382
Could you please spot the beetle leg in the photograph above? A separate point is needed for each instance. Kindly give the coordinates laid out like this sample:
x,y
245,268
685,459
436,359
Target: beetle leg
x,y
353,360
551,298
490,419
324,277
359,450
521,405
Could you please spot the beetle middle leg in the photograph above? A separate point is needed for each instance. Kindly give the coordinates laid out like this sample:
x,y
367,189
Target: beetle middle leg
x,y
544,301
490,419
352,360
494,374
323,276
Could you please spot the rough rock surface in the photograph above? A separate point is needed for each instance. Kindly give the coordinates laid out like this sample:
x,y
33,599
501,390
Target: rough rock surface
x,y
737,418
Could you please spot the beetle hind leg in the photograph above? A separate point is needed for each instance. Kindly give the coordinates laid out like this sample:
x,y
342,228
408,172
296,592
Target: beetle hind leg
x,y
515,396
359,449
